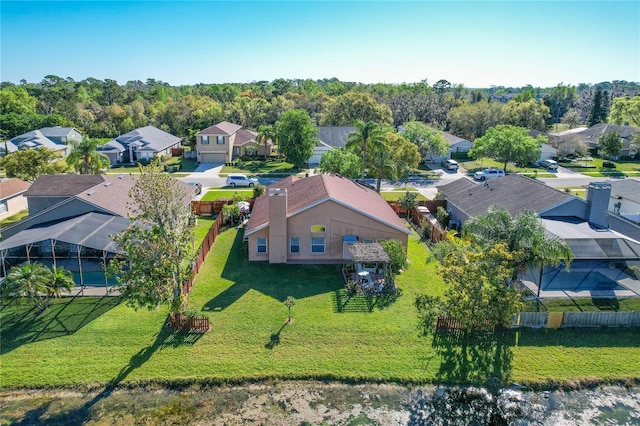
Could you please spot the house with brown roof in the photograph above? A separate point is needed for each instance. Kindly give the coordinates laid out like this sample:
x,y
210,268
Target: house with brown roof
x,y
315,219
12,198
71,221
226,141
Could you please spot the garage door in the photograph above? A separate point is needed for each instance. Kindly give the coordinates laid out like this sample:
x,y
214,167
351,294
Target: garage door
x,y
212,157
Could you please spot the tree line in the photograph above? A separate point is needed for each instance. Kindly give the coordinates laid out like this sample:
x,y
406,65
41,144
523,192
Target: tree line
x,y
105,108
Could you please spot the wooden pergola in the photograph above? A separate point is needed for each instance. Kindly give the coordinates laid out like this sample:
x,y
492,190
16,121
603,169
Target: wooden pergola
x,y
371,272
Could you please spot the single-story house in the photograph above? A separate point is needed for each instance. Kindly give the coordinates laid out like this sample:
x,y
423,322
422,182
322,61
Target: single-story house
x,y
583,224
12,198
71,221
590,136
55,138
456,145
622,212
225,141
547,152
315,219
329,137
141,144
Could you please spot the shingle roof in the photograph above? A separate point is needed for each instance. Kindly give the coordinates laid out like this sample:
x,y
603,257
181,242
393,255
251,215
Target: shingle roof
x,y
244,136
626,188
334,136
149,136
57,131
452,139
591,135
515,193
305,193
222,128
11,187
34,139
63,185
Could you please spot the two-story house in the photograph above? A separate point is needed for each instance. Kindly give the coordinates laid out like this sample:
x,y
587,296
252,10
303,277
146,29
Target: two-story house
x,y
223,142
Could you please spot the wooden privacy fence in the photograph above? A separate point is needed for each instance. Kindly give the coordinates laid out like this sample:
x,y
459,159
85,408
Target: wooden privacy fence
x,y
202,208
181,322
576,319
557,320
203,250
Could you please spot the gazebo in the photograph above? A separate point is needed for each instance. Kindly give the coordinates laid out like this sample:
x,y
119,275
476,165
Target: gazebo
x,y
369,271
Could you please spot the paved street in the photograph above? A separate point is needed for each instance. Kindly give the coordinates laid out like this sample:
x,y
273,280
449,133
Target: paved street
x,y
207,175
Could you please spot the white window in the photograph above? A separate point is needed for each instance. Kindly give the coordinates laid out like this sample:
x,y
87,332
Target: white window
x,y
204,140
294,245
3,206
220,140
261,245
317,244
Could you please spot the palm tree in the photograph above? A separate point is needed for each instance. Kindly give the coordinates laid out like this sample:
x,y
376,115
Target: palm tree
x,y
266,133
380,162
29,280
85,158
524,233
365,135
61,280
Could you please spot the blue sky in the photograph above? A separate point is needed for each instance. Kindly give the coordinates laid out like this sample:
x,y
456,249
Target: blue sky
x,y
476,43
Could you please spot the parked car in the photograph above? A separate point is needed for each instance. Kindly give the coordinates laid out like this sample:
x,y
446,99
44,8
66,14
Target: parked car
x,y
240,180
549,164
449,164
488,174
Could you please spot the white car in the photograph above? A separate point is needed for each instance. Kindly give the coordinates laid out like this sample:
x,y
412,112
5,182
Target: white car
x,y
240,180
449,164
488,174
549,164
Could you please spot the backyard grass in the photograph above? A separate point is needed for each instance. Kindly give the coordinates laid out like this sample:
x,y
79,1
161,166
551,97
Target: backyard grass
x,y
14,218
586,304
215,194
90,340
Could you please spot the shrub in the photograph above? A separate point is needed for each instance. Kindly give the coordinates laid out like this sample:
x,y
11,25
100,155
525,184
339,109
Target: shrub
x,y
608,165
397,255
258,190
443,216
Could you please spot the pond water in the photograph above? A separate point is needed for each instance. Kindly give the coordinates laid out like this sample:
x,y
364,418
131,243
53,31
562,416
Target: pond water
x,y
296,403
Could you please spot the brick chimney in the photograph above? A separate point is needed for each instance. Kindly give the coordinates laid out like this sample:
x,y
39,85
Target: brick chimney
x,y
277,225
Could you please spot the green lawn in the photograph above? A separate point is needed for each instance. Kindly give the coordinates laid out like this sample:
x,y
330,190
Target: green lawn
x,y
214,194
96,340
594,167
472,166
395,195
262,168
14,218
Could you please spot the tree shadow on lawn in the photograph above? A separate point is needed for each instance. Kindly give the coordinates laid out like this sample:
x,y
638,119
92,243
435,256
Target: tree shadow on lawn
x,y
276,280
479,358
63,317
344,302
166,338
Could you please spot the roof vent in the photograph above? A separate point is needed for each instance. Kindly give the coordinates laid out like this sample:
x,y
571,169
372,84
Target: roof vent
x,y
108,183
120,176
90,193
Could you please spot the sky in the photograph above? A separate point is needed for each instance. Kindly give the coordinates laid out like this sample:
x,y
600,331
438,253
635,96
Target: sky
x,y
476,43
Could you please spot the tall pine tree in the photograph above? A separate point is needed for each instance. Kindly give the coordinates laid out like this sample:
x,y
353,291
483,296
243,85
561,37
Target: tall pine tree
x,y
599,107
